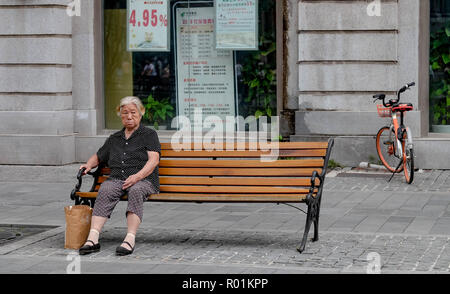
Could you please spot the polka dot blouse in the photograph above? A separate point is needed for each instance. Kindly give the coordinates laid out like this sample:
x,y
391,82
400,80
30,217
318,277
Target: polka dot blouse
x,y
127,157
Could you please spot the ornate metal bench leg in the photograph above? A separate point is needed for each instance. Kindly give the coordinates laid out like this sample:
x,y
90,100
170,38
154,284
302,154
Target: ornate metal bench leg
x,y
77,200
311,217
301,248
316,223
316,230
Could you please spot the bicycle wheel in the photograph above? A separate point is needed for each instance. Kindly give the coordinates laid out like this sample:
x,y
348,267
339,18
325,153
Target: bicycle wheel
x,y
386,150
408,164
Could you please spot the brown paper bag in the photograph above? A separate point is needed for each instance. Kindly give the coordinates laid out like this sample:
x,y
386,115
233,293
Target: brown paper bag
x,y
78,224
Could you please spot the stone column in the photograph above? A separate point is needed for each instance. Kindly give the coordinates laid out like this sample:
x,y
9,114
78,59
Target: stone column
x,y
36,113
84,80
87,69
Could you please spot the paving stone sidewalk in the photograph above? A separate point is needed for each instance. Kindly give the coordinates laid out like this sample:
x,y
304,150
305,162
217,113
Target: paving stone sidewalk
x,y
272,252
362,218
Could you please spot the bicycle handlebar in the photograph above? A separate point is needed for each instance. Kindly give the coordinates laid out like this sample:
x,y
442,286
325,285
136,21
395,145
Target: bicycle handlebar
x,y
405,88
391,102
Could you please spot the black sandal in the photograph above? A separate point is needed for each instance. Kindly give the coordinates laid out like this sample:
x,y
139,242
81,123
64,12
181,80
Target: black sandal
x,y
122,251
87,249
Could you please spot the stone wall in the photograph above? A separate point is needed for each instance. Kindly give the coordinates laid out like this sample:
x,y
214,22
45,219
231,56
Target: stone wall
x,y
345,57
36,114
48,86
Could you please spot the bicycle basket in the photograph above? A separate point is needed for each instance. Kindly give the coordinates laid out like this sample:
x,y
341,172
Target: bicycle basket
x,y
384,111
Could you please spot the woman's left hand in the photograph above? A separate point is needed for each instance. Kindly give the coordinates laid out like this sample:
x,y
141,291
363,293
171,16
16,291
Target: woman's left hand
x,y
130,181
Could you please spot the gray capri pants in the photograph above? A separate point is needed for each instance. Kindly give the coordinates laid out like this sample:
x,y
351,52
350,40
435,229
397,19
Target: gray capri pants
x,y
110,192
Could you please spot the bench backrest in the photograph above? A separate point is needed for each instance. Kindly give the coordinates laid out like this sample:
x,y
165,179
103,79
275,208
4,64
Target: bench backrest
x,y
231,173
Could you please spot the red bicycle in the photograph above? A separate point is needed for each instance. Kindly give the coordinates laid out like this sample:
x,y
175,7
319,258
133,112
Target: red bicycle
x,y
394,142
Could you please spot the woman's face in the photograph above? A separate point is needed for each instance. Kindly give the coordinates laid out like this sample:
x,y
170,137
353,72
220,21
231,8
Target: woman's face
x,y
130,116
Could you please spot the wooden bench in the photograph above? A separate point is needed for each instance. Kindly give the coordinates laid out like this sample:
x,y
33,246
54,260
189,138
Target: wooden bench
x,y
297,176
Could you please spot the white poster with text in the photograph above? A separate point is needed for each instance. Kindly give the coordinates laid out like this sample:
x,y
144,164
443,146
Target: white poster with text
x,y
205,76
237,24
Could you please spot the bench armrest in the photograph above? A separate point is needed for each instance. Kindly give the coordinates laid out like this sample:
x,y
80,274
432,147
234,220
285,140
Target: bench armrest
x,y
310,197
80,182
327,157
315,176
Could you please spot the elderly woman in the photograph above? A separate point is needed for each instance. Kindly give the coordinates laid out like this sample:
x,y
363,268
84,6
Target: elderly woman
x,y
133,155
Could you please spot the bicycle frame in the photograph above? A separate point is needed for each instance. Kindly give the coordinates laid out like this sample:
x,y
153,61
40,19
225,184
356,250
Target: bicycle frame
x,y
395,126
399,145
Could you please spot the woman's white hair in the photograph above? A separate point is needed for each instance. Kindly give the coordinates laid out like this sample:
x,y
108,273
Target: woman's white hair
x,y
131,100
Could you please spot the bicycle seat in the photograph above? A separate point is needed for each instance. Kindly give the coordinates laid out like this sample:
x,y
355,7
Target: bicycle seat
x,y
402,107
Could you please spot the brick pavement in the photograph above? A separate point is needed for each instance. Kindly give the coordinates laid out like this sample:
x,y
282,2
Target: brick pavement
x,y
335,252
408,226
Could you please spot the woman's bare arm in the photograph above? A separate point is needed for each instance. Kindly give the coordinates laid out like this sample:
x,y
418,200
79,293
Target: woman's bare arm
x,y
92,162
153,161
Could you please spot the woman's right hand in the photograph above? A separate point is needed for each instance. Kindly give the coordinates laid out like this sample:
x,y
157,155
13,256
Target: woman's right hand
x,y
87,168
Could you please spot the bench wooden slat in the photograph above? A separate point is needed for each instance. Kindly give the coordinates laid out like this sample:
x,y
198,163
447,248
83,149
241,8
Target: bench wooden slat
x,y
106,171
225,197
101,179
269,172
231,163
233,181
87,194
232,189
241,163
261,185
247,146
303,153
243,154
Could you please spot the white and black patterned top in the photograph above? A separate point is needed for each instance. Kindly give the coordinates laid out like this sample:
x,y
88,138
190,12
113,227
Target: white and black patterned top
x,y
127,157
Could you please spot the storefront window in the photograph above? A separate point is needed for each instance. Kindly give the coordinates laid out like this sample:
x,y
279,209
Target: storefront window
x,y
440,66
193,73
